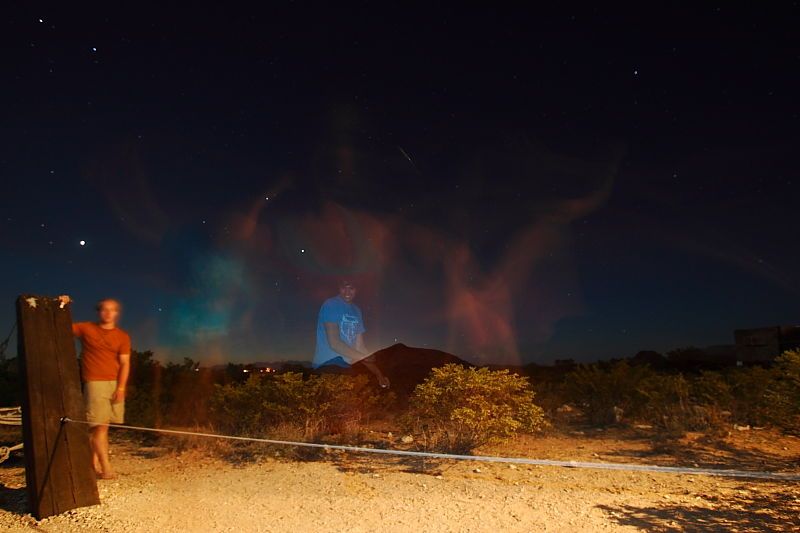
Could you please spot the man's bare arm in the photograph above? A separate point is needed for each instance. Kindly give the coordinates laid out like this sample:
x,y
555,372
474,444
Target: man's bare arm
x,y
360,344
339,346
369,362
122,377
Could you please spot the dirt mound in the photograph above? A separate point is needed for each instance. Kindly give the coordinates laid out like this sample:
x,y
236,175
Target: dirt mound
x,y
407,366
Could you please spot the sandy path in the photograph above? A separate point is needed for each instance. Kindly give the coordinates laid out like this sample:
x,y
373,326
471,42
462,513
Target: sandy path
x,y
194,492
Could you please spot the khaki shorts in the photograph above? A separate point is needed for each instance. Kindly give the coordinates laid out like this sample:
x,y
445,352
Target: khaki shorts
x,y
99,409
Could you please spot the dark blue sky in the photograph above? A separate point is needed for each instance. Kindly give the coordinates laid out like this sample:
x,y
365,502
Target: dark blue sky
x,y
507,184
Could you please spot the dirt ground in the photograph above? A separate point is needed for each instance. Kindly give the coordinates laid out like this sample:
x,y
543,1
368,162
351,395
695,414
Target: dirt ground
x,y
163,490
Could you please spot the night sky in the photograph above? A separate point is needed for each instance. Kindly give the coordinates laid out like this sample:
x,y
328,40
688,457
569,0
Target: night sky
x,y
507,185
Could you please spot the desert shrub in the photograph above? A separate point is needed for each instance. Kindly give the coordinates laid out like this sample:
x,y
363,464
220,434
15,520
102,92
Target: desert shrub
x,y
675,403
754,395
310,407
328,403
602,392
665,402
171,394
712,396
460,409
551,397
10,389
142,404
713,390
704,401
750,403
241,409
783,394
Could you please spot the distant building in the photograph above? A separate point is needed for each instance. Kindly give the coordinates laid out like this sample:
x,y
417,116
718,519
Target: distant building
x,y
763,345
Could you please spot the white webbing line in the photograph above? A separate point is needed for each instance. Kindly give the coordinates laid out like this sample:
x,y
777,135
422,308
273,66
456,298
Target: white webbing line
x,y
784,476
11,416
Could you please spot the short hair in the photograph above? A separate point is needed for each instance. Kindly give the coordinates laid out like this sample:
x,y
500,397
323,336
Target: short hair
x,y
346,283
99,304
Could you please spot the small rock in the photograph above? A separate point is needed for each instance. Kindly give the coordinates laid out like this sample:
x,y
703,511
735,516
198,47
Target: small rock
x,y
512,467
477,470
407,439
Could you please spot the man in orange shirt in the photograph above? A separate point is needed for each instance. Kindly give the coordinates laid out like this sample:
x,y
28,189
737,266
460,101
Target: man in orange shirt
x,y
105,366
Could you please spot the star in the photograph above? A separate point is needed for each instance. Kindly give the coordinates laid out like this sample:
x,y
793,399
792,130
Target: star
x,y
82,243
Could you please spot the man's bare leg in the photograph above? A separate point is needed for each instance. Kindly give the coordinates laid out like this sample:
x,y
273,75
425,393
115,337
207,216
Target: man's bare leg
x,y
99,441
98,469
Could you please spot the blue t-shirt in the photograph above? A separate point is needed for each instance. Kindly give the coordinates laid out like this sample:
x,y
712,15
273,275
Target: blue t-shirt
x,y
345,315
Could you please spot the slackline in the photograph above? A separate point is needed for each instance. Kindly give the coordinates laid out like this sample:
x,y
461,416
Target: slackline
x,y
783,476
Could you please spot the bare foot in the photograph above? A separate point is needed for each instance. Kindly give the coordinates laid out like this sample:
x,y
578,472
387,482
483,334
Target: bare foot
x,y
110,475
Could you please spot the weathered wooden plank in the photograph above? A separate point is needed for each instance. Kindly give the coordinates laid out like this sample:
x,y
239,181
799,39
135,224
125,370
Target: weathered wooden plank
x,y
33,430
59,471
84,490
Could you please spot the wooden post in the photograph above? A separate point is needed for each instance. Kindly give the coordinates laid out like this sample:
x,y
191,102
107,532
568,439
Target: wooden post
x,y
58,460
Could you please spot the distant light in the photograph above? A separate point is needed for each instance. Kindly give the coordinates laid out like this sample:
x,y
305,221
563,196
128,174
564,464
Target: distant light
x,y
302,250
82,243
94,49
245,370
266,198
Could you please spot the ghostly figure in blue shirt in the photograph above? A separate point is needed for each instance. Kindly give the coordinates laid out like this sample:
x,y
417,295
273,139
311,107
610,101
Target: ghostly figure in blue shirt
x,y
340,334
349,325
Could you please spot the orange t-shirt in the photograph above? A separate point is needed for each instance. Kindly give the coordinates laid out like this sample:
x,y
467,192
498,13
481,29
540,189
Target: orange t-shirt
x,y
100,351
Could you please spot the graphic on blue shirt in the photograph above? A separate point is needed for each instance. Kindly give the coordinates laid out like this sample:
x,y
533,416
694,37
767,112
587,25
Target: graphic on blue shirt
x,y
351,323
348,329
